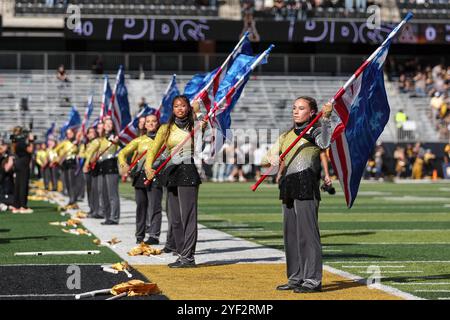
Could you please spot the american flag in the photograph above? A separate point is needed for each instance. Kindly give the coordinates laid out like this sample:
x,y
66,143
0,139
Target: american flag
x,y
106,97
209,91
363,111
165,109
87,114
119,107
130,132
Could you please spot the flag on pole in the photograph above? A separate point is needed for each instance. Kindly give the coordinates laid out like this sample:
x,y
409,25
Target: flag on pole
x,y
229,93
209,90
131,131
106,98
119,107
165,109
50,132
73,122
87,114
197,82
363,111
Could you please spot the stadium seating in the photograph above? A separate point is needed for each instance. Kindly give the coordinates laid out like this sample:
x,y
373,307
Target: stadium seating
x,y
119,7
435,9
265,103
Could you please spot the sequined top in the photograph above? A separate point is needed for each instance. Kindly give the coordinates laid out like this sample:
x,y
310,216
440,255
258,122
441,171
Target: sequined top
x,y
137,147
181,170
41,157
66,150
302,164
90,151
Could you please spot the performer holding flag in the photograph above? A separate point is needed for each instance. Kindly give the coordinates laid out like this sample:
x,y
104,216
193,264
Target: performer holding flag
x,y
363,111
148,198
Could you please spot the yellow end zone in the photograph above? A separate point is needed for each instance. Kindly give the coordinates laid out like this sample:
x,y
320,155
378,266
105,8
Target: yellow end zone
x,y
249,282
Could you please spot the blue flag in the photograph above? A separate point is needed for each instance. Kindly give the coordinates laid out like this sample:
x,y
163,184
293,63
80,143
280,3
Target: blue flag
x,y
363,112
165,110
197,83
73,122
50,132
120,107
130,132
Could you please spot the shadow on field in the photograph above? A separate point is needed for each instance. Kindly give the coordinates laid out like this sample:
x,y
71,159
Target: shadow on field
x,y
351,234
8,240
222,250
341,285
5,230
234,261
410,279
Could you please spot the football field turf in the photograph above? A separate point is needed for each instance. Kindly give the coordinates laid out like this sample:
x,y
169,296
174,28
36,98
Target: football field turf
x,y
400,232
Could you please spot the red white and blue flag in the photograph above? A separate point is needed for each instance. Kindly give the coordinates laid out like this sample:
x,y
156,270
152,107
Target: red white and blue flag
x,y
131,131
87,114
206,94
119,107
106,98
363,111
165,109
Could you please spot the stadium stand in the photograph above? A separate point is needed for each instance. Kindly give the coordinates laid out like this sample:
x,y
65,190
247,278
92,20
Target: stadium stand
x,y
426,9
117,7
262,105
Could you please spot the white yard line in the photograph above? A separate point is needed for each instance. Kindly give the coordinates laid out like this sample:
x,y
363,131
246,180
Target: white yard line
x,y
214,247
372,265
431,290
423,283
392,261
36,295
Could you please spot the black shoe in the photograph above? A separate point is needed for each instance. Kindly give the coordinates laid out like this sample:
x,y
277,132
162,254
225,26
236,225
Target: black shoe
x,y
173,264
109,223
288,286
96,216
167,250
307,289
183,264
150,241
138,241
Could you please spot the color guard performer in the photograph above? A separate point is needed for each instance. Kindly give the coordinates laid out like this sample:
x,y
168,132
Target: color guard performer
x,y
300,194
181,179
148,198
67,152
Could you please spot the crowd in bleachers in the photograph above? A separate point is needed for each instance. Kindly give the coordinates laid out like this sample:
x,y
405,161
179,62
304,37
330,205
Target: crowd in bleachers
x,y
431,82
280,10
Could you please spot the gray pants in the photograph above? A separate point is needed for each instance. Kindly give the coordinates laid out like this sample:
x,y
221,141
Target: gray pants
x,y
302,241
47,175
109,200
170,240
88,181
54,177
182,210
148,212
71,185
95,196
80,185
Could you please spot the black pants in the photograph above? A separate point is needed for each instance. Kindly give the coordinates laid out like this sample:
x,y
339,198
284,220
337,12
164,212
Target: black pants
x,y
148,212
182,210
22,170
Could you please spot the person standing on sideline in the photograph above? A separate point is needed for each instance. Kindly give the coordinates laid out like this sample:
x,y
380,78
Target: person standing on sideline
x,y
67,152
300,194
181,179
148,198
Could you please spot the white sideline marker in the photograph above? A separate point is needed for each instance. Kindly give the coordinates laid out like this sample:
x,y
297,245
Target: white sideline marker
x,y
56,253
372,265
431,290
424,283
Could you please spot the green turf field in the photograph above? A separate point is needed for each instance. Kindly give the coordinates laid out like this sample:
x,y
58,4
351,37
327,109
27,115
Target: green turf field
x,y
402,228
25,233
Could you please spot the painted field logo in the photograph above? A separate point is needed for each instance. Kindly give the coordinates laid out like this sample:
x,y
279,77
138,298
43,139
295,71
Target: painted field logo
x,y
74,280
374,281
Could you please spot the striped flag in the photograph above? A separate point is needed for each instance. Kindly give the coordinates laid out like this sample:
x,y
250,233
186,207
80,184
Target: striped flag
x,y
363,111
87,114
119,107
131,131
50,132
209,90
165,109
229,93
106,97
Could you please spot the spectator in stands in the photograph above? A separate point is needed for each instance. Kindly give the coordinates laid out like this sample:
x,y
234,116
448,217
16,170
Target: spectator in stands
x,y
410,158
97,66
428,163
447,154
61,74
400,119
379,160
279,10
400,161
141,104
